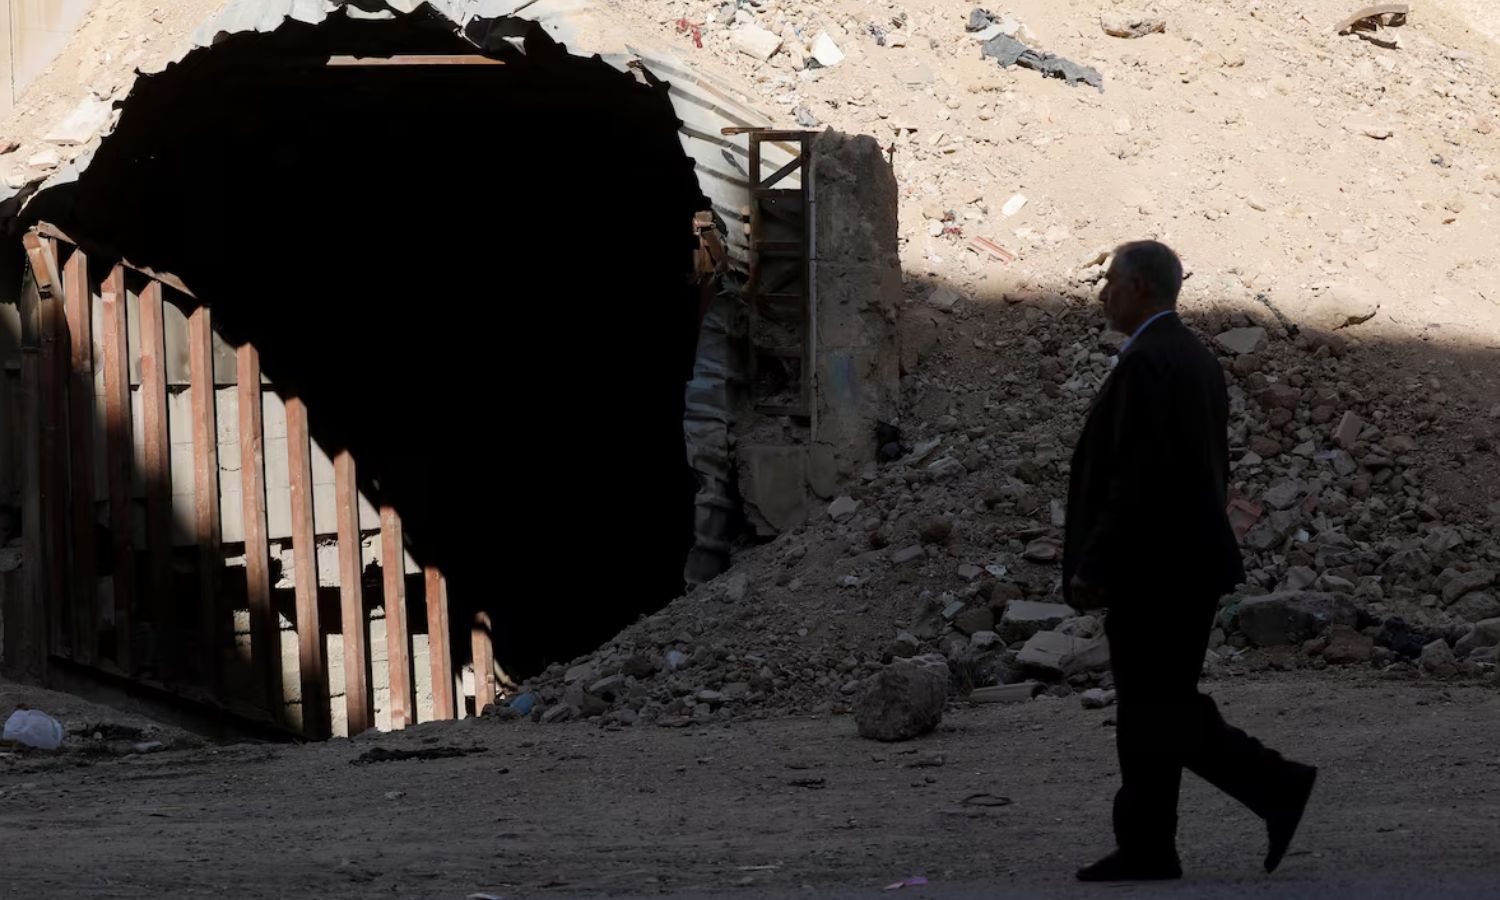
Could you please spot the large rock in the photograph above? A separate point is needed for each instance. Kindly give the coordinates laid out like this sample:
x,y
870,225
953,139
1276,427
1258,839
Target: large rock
x,y
1476,607
1052,654
752,40
1292,617
1483,634
1467,583
1240,341
1339,306
1124,23
1024,618
1438,660
903,700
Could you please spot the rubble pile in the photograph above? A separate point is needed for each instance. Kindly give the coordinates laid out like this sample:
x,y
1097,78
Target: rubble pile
x,y
1353,556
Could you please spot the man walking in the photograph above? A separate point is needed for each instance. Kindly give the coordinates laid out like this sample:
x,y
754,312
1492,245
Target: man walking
x,y
1148,537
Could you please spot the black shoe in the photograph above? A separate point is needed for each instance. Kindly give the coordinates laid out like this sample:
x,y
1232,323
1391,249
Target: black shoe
x,y
1281,826
1119,867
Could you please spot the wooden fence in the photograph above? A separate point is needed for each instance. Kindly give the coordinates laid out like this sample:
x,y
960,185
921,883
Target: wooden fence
x,y
182,529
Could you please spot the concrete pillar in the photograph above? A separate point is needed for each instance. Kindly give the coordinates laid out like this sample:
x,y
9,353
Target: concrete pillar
x,y
857,290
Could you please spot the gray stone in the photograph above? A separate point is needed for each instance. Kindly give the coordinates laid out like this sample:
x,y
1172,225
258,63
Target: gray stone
x,y
984,641
1081,626
1240,341
1285,493
675,659
1340,306
1468,583
944,297
582,672
1482,634
608,687
753,40
945,468
1476,607
1347,434
1024,618
843,508
1299,578
903,700
1291,617
1097,698
1438,660
81,125
1051,654
1346,646
1124,23
908,554
1441,540
736,586
969,571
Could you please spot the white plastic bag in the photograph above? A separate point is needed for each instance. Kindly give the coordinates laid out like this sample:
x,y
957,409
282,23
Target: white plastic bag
x,y
34,729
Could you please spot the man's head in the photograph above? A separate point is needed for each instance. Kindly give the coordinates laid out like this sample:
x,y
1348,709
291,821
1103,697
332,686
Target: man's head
x,y
1144,279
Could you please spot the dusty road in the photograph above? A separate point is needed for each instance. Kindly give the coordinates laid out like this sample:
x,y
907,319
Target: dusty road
x,y
1409,805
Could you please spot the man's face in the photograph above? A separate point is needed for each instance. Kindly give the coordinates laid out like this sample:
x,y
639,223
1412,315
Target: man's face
x,y
1118,298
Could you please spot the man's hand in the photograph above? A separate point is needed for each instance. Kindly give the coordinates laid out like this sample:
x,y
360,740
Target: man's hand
x,y
1086,595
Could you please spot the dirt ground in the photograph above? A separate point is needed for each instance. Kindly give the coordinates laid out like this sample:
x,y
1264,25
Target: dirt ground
x,y
770,808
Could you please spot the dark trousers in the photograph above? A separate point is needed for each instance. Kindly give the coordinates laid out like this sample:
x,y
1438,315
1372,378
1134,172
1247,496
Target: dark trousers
x,y
1163,724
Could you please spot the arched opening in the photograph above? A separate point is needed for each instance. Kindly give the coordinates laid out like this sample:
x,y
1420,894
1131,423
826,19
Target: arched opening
x,y
476,276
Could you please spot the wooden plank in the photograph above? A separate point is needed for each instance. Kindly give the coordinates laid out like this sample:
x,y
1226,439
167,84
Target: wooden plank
x,y
397,652
438,644
351,596
51,415
265,630
158,472
482,645
119,449
30,625
79,311
780,174
310,658
213,620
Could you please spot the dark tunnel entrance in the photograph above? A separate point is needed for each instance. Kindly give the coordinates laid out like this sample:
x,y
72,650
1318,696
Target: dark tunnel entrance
x,y
476,276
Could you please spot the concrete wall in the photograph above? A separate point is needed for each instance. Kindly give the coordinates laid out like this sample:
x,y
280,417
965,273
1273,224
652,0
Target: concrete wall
x,y
32,32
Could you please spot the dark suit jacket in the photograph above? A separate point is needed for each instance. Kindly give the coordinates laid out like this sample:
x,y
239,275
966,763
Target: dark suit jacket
x,y
1150,476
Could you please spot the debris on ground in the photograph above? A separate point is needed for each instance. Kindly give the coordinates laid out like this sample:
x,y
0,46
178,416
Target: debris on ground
x,y
1372,22
903,700
34,728
388,754
1124,23
1008,51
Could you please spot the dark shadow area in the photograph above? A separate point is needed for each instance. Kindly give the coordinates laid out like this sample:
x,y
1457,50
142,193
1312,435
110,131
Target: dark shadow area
x,y
476,276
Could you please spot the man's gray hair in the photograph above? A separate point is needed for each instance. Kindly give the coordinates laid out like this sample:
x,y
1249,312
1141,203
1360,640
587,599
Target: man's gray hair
x,y
1157,266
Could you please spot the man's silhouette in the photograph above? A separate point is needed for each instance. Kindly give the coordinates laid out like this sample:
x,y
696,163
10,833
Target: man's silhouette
x,y
1148,537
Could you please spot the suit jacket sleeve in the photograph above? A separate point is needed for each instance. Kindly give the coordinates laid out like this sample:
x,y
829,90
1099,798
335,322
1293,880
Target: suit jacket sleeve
x,y
1136,445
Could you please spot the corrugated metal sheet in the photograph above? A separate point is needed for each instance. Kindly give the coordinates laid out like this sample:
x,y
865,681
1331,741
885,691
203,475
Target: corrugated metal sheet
x,y
706,105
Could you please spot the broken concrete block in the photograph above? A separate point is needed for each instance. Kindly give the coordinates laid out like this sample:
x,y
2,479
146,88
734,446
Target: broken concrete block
x,y
1052,654
1291,617
1124,23
908,554
825,51
1241,341
753,40
903,700
1024,618
1014,205
1097,698
973,621
1347,434
843,508
81,125
945,468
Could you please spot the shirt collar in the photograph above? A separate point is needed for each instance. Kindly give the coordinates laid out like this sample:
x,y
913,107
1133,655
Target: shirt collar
x,y
1143,326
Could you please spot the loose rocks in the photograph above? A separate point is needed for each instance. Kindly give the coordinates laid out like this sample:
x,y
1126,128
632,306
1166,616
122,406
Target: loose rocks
x,y
1292,617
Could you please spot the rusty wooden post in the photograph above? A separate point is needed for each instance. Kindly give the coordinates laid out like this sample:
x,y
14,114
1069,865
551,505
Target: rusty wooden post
x,y
351,596
310,661
397,653
207,527
158,473
79,312
120,449
31,625
438,645
483,647
52,561
265,628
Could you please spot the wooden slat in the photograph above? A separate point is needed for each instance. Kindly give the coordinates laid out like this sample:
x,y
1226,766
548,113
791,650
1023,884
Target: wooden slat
x,y
415,59
438,645
351,597
27,632
213,619
398,657
167,278
310,661
482,646
119,447
158,471
51,415
78,309
265,630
